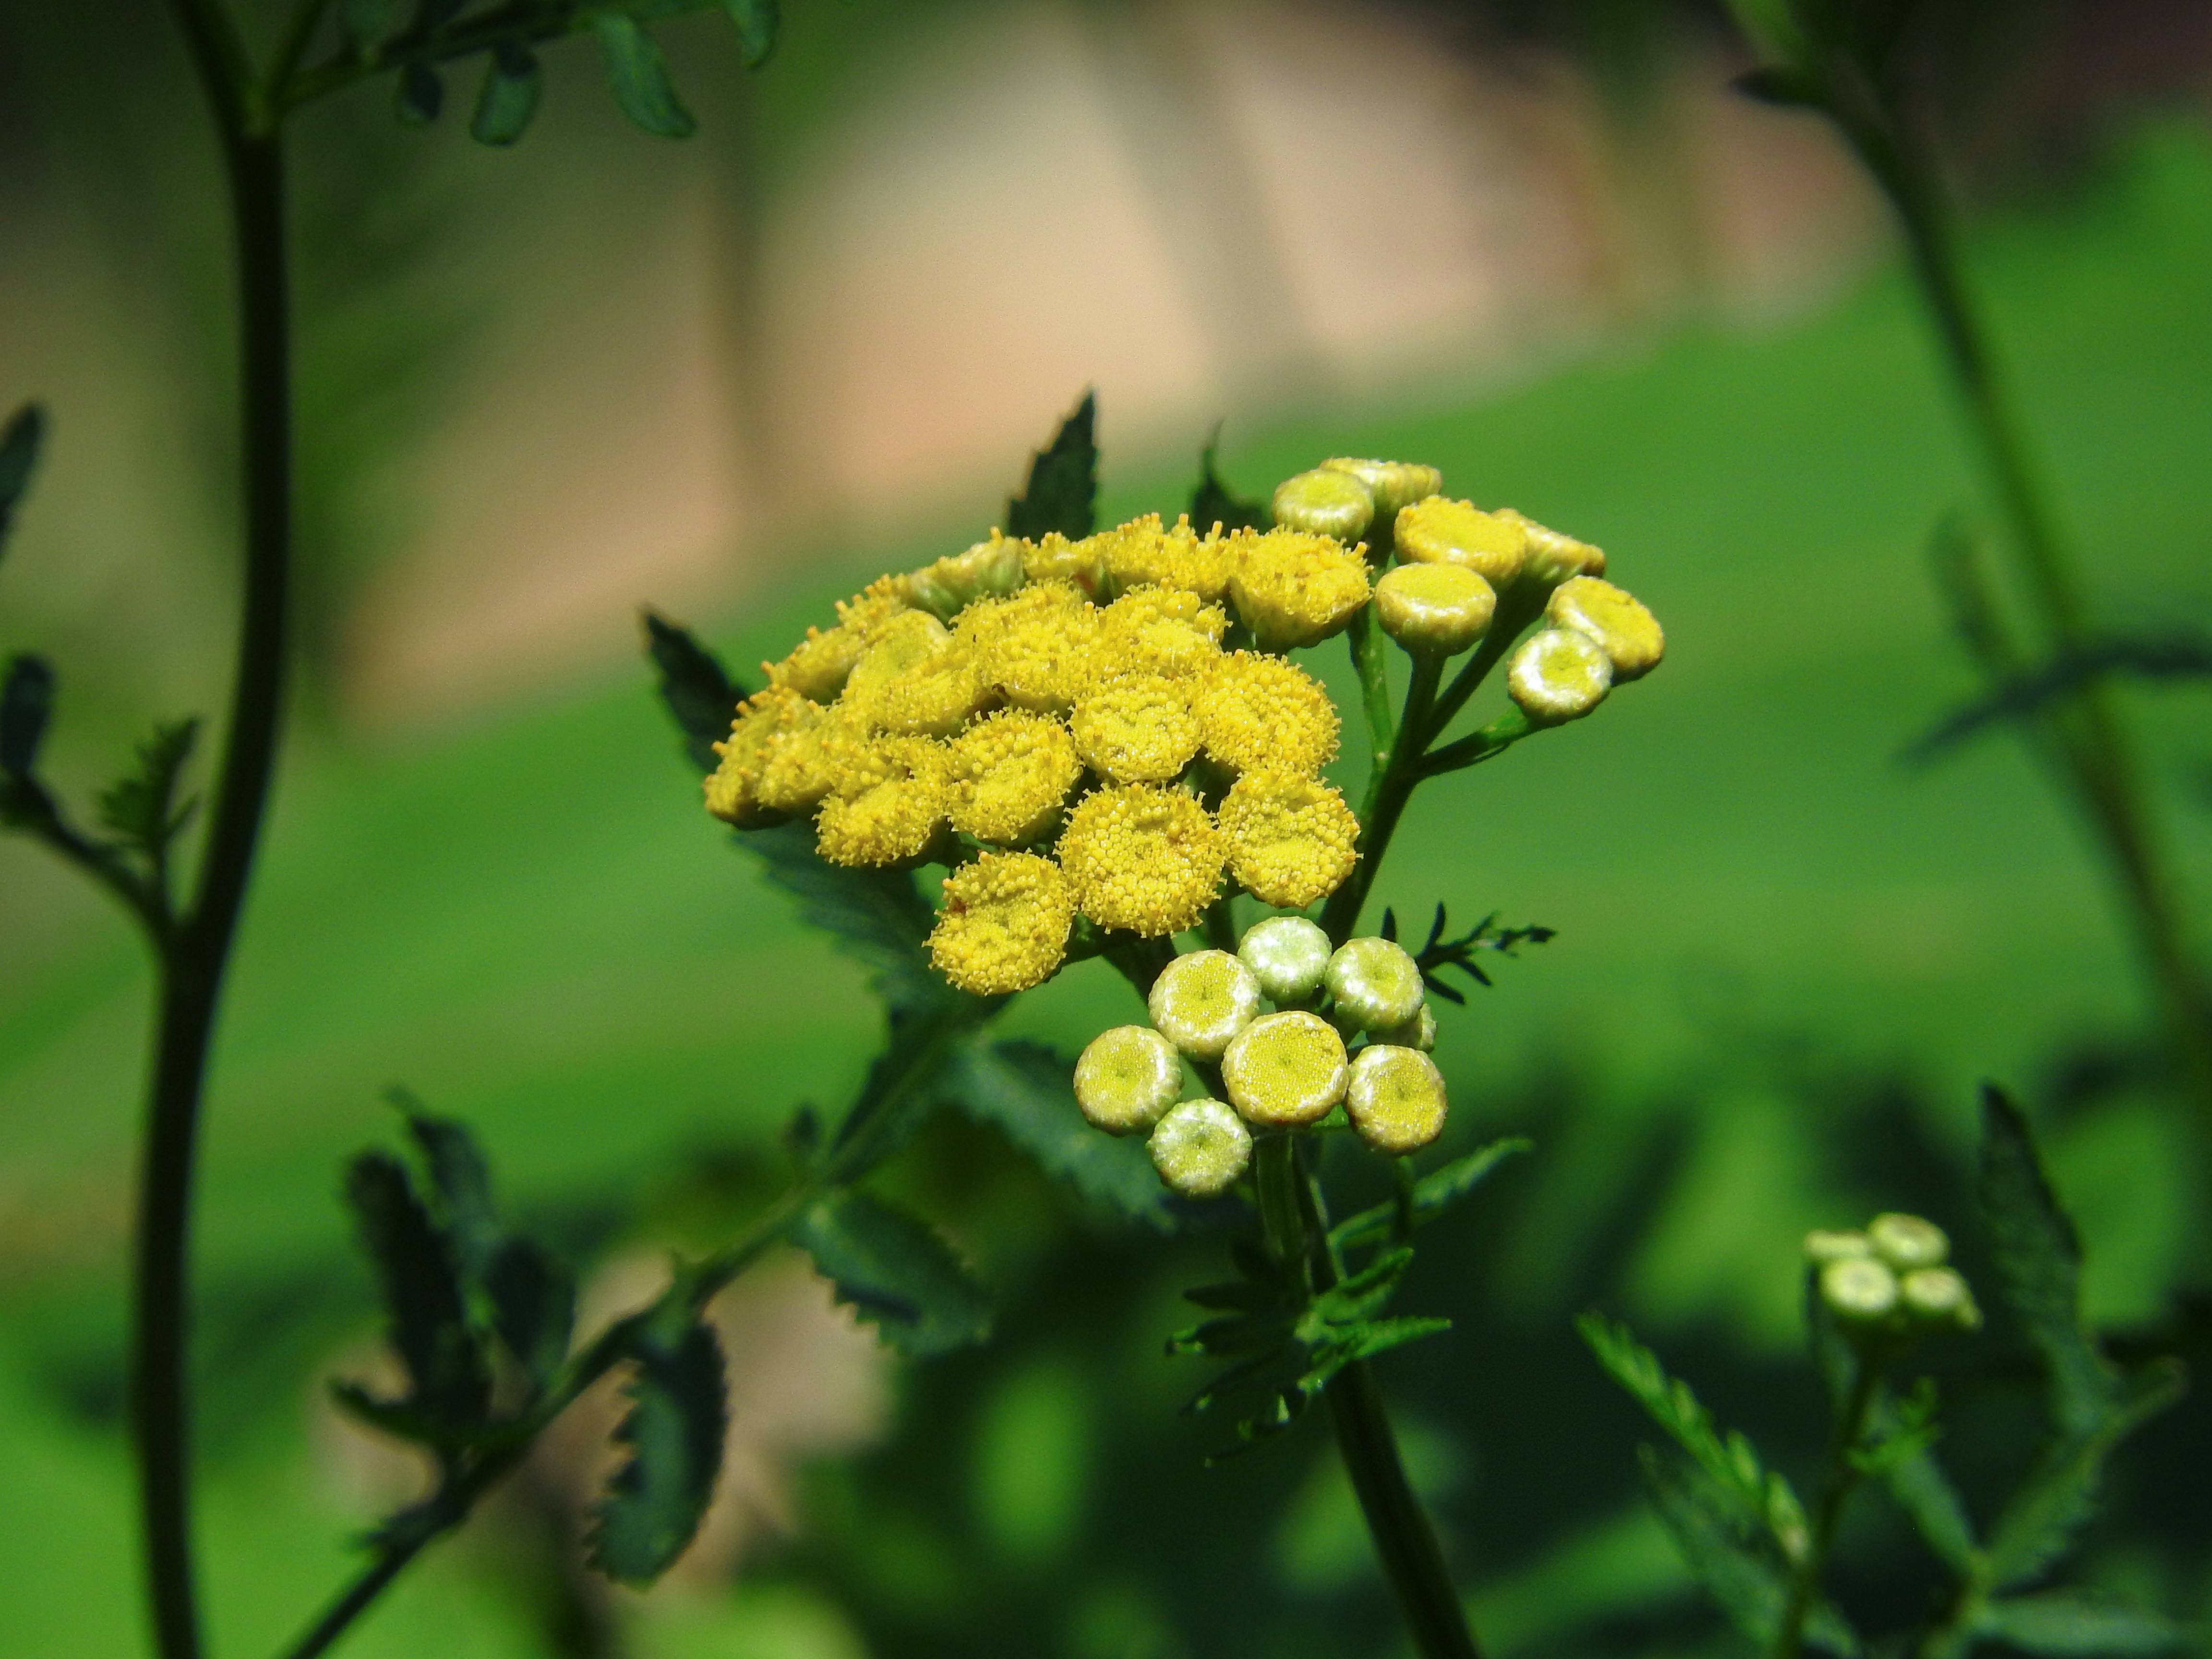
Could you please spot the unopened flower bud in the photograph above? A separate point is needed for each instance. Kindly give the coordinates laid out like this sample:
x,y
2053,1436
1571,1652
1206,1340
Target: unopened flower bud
x,y
1823,1245
1376,985
1200,1148
1201,1001
1325,502
1127,1079
1285,1069
1559,674
990,569
1858,1290
1419,1032
1394,485
1395,1098
1553,557
1907,1242
1613,616
1288,955
1938,1296
1435,610
1440,530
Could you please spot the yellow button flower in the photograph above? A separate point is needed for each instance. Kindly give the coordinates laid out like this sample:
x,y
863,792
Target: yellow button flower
x,y
1141,552
1613,616
1558,674
1441,531
733,786
1259,713
905,642
889,806
1434,610
1011,772
1292,588
933,697
1143,858
1285,1069
1162,630
1136,729
1004,923
1035,647
990,569
1553,557
818,667
1291,839
1394,485
1053,558
1395,1098
804,762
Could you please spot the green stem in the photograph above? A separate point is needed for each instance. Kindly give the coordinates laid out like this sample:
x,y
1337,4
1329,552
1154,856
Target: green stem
x,y
1841,1480
1392,772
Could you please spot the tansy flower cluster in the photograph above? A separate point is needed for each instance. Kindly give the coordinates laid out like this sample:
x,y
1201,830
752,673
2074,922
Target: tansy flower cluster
x,y
1071,725
1349,1027
1888,1282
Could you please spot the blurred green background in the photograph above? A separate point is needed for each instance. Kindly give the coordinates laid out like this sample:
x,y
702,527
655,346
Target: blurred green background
x,y
736,379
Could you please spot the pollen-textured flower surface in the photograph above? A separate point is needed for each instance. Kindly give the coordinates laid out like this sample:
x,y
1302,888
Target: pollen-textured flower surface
x,y
1004,924
1011,771
1291,839
1136,729
1294,588
1143,858
1260,713
890,807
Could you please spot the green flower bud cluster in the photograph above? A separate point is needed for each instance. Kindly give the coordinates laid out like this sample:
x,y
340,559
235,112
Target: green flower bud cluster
x,y
1348,1027
1888,1282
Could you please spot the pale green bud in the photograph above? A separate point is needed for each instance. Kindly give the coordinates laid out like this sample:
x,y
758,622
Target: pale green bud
x,y
1938,1296
1434,610
1394,485
1285,1069
1559,674
1907,1242
1395,1098
1127,1079
1858,1290
1288,955
1552,557
1376,985
989,570
1419,1032
1613,616
1823,1245
1200,1148
1324,503
1201,1001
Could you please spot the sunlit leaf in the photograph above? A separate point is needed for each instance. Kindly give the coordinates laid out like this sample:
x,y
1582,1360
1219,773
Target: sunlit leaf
x,y
1062,490
638,74
896,1272
673,1431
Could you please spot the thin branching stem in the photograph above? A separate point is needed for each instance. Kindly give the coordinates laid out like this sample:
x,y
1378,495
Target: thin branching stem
x,y
1839,1480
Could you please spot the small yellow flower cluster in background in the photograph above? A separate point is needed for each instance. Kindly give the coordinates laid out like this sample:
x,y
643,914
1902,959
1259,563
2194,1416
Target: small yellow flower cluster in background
x,y
1888,1282
1060,721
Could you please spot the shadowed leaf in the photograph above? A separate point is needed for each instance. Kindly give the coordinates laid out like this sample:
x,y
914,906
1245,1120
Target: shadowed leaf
x,y
27,703
1433,1194
533,1300
896,1272
507,100
702,698
142,808
2063,1626
367,24
1733,1559
758,23
461,1180
1212,504
2029,694
19,455
424,1307
1026,1091
1062,490
678,1412
638,76
417,95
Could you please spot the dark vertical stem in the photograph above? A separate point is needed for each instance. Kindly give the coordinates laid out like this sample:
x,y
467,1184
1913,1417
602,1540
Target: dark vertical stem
x,y
1843,1478
198,953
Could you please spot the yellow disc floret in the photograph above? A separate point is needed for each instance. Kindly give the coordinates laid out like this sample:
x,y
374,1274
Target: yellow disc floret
x,y
990,569
1141,552
1259,713
1441,531
1004,927
1142,858
733,786
1136,729
1053,558
1553,557
935,697
1291,839
1293,588
906,642
818,667
888,807
1037,647
805,761
1613,616
1161,631
1011,771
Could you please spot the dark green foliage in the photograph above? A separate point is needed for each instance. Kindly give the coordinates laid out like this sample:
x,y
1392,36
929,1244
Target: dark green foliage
x,y
1440,953
19,454
895,1272
702,698
461,1182
1785,88
678,1413
506,102
877,916
758,23
2033,692
367,24
1212,503
638,76
27,703
1430,1196
449,1380
1729,1462
142,809
2062,1624
533,1304
418,94
1732,1556
1285,1343
1026,1091
1062,490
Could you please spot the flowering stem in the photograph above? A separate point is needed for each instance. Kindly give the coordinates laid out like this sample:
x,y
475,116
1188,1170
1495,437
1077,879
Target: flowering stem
x,y
1841,1477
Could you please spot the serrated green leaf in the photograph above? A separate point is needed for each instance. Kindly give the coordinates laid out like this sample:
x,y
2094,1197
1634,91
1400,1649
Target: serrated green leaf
x,y
533,1301
637,74
679,1412
19,457
142,808
1920,1488
506,102
1027,1092
2059,1496
417,95
896,1272
391,1417
1735,1560
2066,1626
701,697
759,22
27,703
1213,503
461,1180
876,916
1433,1194
1062,493
1732,1464
425,1306
2039,1261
